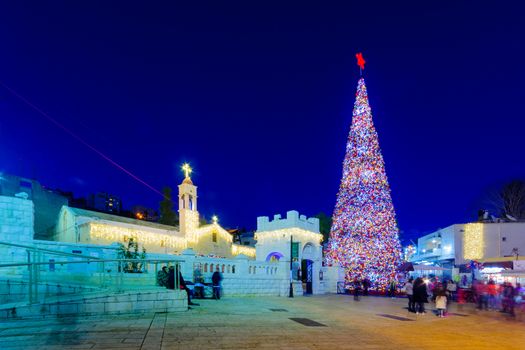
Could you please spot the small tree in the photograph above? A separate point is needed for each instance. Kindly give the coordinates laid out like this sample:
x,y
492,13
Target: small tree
x,y
167,215
325,223
508,201
131,251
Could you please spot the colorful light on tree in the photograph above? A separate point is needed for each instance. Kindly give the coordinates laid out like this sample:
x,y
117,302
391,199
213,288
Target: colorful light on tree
x,y
364,235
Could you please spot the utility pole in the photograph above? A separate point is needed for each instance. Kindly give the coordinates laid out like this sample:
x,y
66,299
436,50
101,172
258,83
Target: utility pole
x,y
291,269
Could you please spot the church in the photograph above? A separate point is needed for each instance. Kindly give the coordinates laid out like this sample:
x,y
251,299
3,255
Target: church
x,y
89,227
287,253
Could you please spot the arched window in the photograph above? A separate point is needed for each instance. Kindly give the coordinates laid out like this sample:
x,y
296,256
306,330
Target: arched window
x,y
274,257
191,203
223,266
214,236
233,269
211,267
206,267
183,201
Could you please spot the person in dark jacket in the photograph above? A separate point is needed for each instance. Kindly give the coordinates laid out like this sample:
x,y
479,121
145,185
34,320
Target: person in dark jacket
x,y
162,277
357,287
216,279
182,284
420,295
366,285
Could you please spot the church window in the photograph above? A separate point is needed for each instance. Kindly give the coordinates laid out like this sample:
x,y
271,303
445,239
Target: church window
x,y
214,237
233,269
205,267
222,270
211,267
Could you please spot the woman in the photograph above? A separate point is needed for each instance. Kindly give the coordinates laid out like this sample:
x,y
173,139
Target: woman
x,y
420,295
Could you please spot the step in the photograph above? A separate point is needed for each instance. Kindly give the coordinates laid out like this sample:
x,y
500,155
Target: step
x,y
132,302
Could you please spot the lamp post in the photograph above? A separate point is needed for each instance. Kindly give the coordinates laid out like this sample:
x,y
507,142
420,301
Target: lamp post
x,y
291,268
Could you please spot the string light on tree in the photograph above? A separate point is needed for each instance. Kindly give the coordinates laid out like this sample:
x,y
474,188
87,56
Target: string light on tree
x,y
364,235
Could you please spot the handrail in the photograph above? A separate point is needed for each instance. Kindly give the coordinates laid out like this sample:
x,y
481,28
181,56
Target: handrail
x,y
34,272
95,260
55,252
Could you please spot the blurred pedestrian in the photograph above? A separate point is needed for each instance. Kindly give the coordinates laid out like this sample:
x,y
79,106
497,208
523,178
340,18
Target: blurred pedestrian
x,y
420,295
357,287
409,290
392,286
366,285
480,291
452,289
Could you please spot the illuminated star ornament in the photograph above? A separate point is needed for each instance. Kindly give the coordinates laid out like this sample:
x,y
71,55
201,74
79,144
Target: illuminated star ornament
x,y
364,238
360,61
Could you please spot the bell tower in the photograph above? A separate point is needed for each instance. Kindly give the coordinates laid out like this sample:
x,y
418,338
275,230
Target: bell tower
x,y
188,214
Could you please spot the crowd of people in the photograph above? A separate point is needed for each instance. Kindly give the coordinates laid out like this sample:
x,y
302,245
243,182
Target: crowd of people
x,y
166,278
503,297
487,295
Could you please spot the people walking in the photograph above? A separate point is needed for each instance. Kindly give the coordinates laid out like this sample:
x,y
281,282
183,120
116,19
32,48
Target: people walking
x,y
420,295
216,280
409,290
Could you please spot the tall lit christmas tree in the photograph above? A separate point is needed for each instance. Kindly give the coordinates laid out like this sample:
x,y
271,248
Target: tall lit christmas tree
x,y
364,235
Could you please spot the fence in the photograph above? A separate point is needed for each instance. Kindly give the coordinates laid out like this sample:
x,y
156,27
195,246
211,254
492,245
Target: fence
x,y
41,278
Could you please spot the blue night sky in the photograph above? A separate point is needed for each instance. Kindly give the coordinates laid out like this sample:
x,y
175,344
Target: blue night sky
x,y
258,98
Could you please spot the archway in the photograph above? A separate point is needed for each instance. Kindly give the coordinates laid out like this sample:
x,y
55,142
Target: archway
x,y
307,267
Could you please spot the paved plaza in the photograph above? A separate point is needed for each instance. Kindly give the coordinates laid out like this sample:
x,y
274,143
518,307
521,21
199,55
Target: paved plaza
x,y
328,322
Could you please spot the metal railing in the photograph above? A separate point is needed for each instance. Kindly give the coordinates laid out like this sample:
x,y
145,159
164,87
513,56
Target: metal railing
x,y
83,273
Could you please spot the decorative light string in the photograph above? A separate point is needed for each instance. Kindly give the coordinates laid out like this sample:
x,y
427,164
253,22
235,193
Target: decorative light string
x,y
364,237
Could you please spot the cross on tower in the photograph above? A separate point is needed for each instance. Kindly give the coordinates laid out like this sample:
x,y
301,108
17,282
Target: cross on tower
x,y
187,169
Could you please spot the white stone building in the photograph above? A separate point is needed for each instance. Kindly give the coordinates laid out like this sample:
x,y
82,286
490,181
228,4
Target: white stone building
x,y
263,270
460,243
90,227
274,243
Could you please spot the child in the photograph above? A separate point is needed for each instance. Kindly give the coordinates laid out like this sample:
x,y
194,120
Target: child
x,y
441,301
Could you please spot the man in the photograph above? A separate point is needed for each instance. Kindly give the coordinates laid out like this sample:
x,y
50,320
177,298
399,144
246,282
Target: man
x,y
182,283
162,277
216,279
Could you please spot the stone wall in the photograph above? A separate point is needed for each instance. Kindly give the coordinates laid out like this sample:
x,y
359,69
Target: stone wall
x,y
16,219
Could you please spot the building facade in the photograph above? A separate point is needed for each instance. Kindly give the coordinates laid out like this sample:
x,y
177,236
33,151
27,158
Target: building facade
x,y
295,238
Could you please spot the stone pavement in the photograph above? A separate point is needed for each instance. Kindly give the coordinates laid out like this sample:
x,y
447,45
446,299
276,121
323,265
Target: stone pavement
x,y
250,323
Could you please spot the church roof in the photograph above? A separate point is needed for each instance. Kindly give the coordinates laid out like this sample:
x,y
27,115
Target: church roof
x,y
122,219
188,181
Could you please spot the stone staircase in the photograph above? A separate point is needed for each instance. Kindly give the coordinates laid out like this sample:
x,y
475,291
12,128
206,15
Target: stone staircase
x,y
157,299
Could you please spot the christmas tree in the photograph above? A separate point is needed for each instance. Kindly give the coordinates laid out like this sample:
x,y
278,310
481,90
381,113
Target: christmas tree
x,y
364,235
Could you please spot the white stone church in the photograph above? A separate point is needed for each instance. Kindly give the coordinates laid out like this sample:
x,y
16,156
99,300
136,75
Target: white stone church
x,y
287,254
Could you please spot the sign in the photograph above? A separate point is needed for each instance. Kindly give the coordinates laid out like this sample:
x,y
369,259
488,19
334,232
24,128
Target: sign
x,y
519,264
295,250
